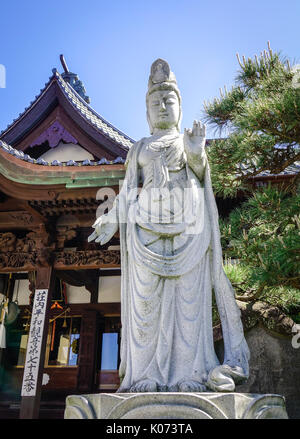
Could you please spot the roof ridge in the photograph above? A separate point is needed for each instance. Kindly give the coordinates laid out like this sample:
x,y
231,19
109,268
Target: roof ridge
x,y
36,99
115,135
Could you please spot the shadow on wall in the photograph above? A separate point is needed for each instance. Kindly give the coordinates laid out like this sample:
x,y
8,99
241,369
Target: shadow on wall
x,y
274,367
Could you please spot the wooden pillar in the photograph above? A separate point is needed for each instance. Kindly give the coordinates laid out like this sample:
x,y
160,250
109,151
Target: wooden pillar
x,y
89,343
36,348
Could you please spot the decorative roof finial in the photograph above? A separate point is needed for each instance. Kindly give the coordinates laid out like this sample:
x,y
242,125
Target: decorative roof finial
x,y
73,80
64,64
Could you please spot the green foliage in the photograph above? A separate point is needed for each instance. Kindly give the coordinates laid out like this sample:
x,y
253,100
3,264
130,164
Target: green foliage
x,y
262,115
222,111
287,298
239,275
234,159
265,233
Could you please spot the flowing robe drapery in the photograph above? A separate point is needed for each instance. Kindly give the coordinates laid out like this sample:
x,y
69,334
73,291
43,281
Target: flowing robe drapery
x,y
171,260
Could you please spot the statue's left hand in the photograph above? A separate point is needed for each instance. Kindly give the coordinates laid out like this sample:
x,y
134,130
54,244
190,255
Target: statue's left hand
x,y
194,145
194,139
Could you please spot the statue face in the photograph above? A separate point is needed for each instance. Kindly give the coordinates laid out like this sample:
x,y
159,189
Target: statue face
x,y
163,109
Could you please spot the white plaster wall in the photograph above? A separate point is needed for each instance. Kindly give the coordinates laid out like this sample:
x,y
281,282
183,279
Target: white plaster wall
x,y
109,289
74,294
64,152
78,294
21,291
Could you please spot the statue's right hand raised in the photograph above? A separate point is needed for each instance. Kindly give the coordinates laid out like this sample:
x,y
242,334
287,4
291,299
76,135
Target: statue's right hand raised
x,y
105,228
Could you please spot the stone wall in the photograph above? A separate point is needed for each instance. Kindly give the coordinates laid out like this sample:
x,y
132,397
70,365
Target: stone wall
x,y
274,366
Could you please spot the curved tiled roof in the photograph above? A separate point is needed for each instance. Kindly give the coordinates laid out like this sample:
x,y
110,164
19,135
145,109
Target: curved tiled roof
x,y
290,170
20,168
82,107
22,156
91,115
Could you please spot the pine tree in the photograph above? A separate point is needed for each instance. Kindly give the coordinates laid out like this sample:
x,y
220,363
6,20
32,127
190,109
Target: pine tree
x,y
261,117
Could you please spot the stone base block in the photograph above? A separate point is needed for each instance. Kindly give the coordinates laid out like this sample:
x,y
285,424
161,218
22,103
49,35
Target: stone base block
x,y
175,406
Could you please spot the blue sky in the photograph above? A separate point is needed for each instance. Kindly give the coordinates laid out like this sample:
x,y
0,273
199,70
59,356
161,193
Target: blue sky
x,y
111,46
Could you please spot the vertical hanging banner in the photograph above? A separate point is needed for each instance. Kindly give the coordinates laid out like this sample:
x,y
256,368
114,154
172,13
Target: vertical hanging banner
x,y
34,345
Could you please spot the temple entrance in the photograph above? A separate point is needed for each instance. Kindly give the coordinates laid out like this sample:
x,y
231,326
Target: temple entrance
x,y
82,351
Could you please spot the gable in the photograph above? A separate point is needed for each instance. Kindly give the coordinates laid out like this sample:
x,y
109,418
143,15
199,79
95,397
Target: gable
x,y
60,104
64,152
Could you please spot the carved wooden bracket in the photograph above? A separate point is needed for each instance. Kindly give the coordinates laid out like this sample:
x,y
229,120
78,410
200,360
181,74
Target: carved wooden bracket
x,y
18,220
54,134
65,260
89,259
64,234
33,241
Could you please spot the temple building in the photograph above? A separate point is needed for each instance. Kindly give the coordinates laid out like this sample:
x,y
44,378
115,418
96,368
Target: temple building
x,y
60,166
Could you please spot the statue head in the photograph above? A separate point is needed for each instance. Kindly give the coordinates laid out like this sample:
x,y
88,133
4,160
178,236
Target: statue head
x,y
163,98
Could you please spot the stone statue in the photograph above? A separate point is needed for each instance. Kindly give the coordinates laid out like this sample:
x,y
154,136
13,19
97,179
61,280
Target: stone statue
x,y
171,258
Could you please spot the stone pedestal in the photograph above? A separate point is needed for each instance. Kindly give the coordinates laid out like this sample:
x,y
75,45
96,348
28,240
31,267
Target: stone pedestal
x,y
175,406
